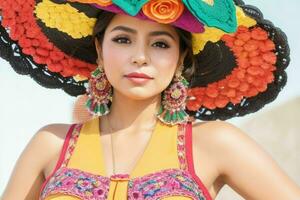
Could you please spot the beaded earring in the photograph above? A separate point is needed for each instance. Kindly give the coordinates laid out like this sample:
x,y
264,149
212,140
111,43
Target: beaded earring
x,y
99,93
172,109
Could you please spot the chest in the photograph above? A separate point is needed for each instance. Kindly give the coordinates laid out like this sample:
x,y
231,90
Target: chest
x,y
204,170
160,173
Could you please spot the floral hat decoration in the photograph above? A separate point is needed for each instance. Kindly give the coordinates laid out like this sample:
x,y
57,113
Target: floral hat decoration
x,y
240,58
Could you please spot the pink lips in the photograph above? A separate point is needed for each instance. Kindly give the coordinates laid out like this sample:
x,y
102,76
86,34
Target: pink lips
x,y
138,77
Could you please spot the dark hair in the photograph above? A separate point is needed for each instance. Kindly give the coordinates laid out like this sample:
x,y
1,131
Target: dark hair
x,y
185,37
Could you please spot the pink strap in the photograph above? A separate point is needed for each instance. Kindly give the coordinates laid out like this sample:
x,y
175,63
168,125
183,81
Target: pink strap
x,y
61,156
190,161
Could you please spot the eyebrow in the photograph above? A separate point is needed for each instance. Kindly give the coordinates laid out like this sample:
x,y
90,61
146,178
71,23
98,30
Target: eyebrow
x,y
153,33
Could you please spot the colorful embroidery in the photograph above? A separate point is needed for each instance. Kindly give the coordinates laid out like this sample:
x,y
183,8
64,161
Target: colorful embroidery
x,y
181,147
77,183
169,182
153,186
72,143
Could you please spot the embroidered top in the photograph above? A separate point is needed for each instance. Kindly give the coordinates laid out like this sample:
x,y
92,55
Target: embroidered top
x,y
164,171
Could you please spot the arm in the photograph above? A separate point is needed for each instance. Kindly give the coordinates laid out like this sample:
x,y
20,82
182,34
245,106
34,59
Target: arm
x,y
27,176
248,169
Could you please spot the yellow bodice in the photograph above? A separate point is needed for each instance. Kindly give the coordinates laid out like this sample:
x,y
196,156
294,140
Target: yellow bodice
x,y
163,157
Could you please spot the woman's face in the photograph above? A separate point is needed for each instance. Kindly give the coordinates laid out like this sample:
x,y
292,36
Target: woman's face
x,y
131,45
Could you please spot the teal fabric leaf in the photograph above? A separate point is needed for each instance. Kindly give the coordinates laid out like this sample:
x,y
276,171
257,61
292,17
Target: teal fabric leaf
x,y
131,7
222,14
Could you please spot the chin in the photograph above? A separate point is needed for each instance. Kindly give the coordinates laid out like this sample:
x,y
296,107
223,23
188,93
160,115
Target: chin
x,y
140,93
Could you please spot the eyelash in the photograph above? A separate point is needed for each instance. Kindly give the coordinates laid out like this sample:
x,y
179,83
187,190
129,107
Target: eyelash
x,y
117,39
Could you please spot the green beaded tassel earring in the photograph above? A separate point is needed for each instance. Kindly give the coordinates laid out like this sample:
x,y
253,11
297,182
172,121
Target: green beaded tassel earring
x,y
172,109
99,93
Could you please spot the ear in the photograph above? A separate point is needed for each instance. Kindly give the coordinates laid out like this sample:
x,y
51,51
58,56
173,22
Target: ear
x,y
99,52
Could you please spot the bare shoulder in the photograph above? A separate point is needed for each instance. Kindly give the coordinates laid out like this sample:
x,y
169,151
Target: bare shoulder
x,y
209,140
216,128
28,173
215,133
52,132
218,134
237,158
217,137
52,137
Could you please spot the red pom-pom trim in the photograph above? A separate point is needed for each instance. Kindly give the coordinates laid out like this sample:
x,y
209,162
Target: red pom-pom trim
x,y
255,58
19,18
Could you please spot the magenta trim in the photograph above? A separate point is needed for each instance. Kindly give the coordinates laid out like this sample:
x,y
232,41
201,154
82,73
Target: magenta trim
x,y
190,162
61,156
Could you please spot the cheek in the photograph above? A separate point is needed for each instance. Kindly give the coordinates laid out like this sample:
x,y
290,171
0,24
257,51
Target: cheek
x,y
113,60
165,64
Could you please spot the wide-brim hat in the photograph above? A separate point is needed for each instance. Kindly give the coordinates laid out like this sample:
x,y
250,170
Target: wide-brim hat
x,y
240,57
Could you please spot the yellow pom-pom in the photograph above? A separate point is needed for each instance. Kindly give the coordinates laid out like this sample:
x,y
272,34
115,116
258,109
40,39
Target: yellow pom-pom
x,y
65,18
243,19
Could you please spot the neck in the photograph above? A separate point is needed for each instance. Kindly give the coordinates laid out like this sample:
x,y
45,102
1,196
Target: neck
x,y
127,113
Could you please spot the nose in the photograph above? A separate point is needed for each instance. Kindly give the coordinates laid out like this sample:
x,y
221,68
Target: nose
x,y
140,56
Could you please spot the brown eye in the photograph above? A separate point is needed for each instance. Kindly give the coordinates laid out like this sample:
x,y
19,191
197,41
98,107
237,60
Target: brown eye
x,y
161,45
121,40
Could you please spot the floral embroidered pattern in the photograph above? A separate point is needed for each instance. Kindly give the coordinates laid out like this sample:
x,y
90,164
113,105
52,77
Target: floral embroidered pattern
x,y
77,183
72,143
153,186
181,147
169,182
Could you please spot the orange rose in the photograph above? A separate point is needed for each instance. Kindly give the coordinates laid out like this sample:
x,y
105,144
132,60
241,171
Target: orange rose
x,y
163,11
99,2
102,2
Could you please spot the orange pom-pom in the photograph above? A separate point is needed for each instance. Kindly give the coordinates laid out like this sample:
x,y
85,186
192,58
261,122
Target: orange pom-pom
x,y
251,45
252,92
212,92
233,83
244,36
239,42
255,63
193,105
209,103
231,93
221,101
270,57
244,87
259,34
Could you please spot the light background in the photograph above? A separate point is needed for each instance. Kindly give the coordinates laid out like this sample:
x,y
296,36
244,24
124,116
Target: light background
x,y
25,107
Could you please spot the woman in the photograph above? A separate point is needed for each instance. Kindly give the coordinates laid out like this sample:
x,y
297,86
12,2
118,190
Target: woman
x,y
143,144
